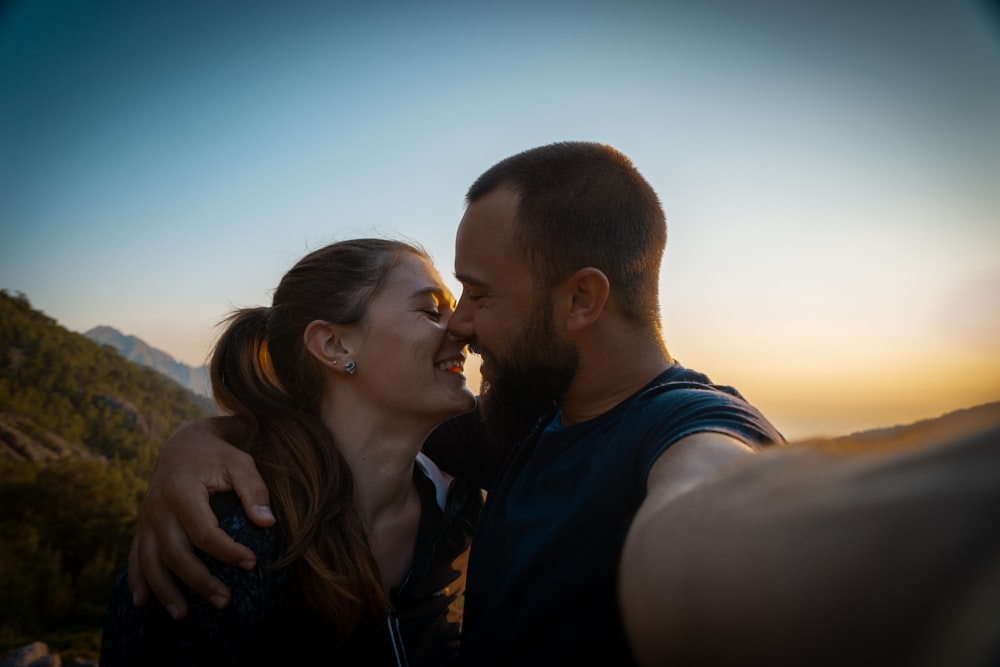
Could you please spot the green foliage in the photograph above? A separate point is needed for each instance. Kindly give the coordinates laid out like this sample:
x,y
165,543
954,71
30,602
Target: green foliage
x,y
66,520
73,388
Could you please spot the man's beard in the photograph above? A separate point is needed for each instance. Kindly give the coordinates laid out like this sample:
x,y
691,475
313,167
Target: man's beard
x,y
515,393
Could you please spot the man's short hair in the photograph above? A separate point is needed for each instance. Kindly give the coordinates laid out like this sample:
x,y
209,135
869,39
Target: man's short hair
x,y
585,204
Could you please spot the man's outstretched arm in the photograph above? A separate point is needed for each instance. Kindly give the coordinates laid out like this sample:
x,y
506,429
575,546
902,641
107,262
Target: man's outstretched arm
x,y
802,555
175,517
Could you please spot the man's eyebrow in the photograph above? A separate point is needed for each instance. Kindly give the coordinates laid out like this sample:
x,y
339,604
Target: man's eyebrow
x,y
466,279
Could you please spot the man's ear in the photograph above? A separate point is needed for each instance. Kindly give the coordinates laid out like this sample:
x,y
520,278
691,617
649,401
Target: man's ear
x,y
582,297
325,342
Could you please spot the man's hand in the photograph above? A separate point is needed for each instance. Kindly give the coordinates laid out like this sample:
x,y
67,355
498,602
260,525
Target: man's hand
x,y
175,517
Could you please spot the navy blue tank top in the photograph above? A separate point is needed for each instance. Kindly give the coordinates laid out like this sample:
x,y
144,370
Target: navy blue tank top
x,y
542,580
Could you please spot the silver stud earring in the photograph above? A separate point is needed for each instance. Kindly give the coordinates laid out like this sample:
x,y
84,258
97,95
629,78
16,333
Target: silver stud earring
x,y
350,368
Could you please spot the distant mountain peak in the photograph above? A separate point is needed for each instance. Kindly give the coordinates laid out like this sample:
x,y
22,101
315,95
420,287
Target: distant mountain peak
x,y
194,378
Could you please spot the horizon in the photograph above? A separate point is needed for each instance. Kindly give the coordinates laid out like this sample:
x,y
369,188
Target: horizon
x,y
828,169
805,430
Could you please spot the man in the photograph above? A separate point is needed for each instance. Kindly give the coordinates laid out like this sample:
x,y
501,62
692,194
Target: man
x,y
558,256
595,435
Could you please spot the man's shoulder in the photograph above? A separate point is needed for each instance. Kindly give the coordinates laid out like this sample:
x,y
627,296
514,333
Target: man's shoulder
x,y
682,401
679,377
679,385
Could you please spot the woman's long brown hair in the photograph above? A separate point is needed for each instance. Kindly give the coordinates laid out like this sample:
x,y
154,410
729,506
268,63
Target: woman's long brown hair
x,y
262,372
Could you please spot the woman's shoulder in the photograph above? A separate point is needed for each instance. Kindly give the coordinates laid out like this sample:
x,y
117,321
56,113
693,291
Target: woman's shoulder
x,y
267,543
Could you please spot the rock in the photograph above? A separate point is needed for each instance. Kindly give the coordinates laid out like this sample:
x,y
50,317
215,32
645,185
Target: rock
x,y
51,660
35,654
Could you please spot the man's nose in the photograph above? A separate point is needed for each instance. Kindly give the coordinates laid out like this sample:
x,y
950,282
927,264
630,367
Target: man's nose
x,y
460,323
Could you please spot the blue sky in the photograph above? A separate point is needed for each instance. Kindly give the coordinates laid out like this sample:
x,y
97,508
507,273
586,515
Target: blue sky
x,y
830,170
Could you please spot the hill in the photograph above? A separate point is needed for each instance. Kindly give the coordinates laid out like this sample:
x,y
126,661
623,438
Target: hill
x,y
925,431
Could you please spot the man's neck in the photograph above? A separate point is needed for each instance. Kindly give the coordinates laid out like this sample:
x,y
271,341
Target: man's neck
x,y
607,377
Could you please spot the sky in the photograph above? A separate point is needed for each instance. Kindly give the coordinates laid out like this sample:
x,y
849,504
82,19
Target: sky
x,y
830,170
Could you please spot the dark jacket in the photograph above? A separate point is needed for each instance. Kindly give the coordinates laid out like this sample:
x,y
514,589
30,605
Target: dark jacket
x,y
266,623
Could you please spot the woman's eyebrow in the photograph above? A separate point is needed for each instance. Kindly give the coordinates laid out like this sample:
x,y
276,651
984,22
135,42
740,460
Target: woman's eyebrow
x,y
440,295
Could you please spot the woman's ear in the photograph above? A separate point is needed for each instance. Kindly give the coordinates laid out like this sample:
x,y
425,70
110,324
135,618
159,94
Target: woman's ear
x,y
324,341
582,297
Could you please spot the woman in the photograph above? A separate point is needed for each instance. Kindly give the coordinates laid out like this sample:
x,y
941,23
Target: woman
x,y
338,384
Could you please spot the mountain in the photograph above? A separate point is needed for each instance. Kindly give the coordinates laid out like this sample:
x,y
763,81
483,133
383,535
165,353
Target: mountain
x,y
195,379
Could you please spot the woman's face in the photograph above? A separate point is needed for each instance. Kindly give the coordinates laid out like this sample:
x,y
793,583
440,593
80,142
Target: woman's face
x,y
406,360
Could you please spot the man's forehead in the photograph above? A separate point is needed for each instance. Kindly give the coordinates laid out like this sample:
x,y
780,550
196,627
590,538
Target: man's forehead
x,y
496,209
480,251
483,243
